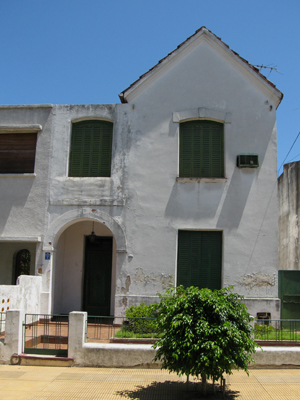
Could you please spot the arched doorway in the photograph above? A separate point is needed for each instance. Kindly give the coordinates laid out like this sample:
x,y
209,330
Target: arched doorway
x,y
84,272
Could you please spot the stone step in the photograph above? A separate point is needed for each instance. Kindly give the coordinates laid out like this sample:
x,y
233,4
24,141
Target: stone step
x,y
42,360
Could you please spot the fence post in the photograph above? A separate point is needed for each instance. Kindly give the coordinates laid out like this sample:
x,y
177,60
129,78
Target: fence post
x,y
77,334
13,334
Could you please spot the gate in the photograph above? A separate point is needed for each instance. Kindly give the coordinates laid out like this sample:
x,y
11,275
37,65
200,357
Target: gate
x,y
46,334
289,294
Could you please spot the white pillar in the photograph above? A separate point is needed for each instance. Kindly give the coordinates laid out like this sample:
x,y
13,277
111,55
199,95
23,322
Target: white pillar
x,y
77,334
47,274
13,335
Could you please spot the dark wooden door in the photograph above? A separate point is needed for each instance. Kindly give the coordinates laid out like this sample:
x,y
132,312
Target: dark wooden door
x,y
97,275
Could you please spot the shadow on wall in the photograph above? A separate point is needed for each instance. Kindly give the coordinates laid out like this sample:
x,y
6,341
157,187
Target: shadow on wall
x,y
203,200
14,193
236,198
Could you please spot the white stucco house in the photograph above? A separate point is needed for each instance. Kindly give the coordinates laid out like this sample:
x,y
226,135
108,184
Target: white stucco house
x,y
174,185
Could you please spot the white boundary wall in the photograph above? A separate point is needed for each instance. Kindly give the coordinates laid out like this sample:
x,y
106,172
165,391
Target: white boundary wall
x,y
26,295
106,354
122,355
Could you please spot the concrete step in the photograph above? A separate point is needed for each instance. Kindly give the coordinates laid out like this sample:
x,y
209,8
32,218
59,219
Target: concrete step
x,y
42,360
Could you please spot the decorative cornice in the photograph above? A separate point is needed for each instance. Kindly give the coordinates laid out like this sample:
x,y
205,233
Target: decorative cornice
x,y
202,113
20,239
20,128
22,106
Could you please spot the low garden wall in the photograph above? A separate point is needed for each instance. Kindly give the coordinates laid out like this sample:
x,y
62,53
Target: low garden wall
x,y
105,354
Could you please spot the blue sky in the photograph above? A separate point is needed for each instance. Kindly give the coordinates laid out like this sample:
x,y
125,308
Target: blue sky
x,y
88,51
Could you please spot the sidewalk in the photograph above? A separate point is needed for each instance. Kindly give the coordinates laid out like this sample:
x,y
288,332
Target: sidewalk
x,y
41,383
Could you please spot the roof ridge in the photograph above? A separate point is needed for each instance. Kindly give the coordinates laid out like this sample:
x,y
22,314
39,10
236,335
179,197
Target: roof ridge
x,y
202,29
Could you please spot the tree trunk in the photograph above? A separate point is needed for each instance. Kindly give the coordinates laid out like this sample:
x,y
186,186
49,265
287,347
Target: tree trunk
x,y
223,388
203,376
187,382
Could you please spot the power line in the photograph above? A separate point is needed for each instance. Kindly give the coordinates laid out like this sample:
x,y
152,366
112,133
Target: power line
x,y
294,158
288,153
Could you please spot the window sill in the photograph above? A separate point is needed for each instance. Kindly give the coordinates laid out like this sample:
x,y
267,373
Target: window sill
x,y
198,180
17,175
88,177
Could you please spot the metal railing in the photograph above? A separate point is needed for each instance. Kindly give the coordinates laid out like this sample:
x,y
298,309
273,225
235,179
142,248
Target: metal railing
x,y
278,332
2,325
46,334
113,329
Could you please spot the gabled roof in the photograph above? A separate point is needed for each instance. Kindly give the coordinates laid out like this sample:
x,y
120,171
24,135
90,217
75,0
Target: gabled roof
x,y
201,34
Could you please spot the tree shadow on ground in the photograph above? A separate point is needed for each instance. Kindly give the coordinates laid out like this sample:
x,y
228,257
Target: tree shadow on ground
x,y
169,390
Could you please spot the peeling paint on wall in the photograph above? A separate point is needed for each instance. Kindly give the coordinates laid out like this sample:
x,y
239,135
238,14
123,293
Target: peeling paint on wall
x,y
125,289
257,280
124,301
166,281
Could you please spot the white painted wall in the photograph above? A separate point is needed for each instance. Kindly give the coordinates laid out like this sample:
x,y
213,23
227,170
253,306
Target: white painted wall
x,y
23,198
143,201
23,296
243,206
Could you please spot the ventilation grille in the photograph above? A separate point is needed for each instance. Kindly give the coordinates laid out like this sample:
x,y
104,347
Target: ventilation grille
x,y
247,161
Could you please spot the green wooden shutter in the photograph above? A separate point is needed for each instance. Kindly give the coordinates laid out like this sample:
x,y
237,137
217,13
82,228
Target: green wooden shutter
x,y
201,149
91,146
185,150
199,260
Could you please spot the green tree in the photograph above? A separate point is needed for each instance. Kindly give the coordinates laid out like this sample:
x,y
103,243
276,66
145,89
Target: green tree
x,y
204,333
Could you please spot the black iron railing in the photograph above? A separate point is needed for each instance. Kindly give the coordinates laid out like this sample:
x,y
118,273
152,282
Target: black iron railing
x,y
46,334
279,331
120,328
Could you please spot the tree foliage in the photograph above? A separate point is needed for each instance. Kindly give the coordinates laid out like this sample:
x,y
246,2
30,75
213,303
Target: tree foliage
x,y
204,332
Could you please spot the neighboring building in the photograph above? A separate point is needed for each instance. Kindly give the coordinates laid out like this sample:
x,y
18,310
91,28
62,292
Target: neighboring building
x,y
289,240
176,185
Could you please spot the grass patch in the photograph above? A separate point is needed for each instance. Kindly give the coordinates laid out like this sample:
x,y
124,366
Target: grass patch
x,y
127,334
268,332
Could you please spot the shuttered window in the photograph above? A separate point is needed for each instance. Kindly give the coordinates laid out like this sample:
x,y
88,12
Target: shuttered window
x,y
199,260
201,149
91,146
17,153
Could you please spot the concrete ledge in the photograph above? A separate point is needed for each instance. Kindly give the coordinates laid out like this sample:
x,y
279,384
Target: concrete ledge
x,y
42,361
277,357
117,355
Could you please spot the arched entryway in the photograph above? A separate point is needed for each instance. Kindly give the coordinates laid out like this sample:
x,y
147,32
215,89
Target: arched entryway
x,y
64,272
84,272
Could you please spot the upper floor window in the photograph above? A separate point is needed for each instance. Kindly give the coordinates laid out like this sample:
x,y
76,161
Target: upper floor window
x,y
17,153
91,146
201,149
